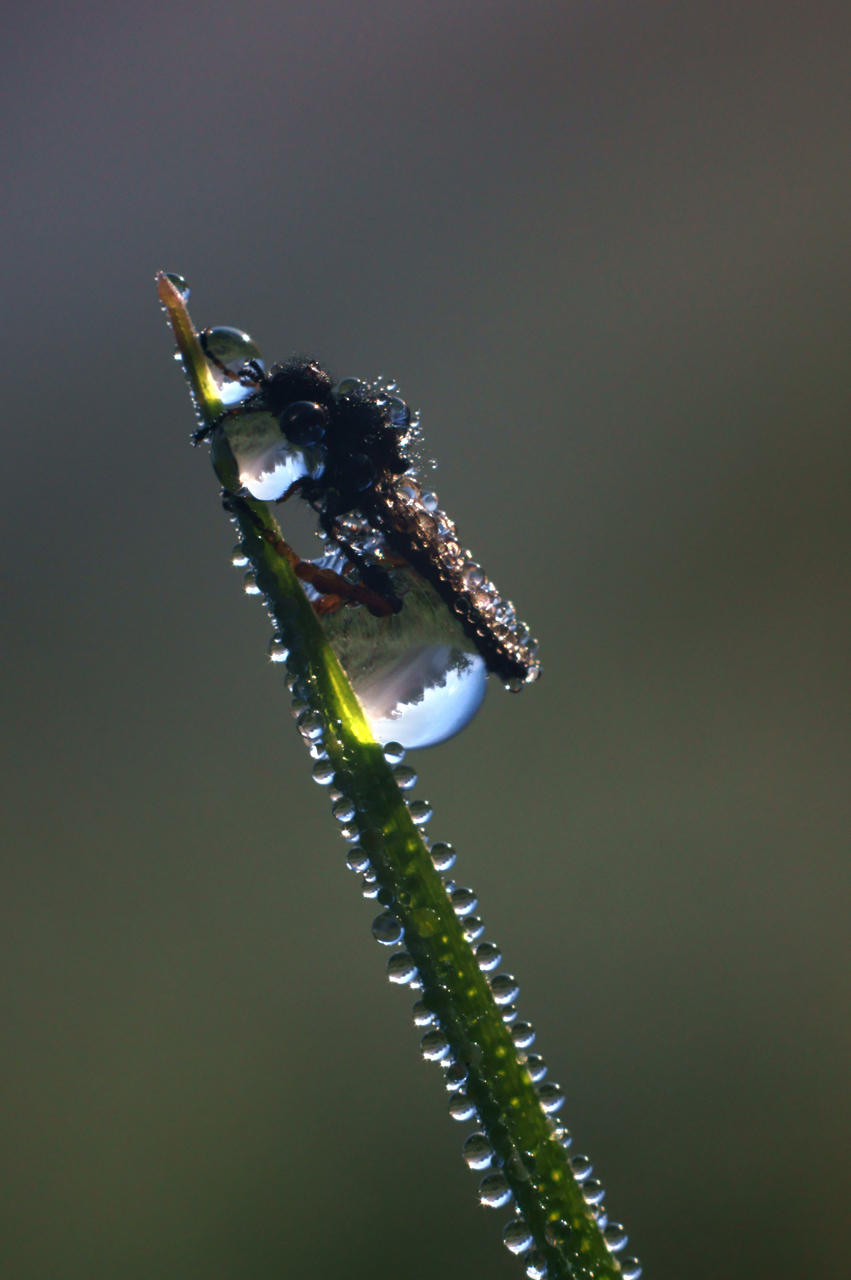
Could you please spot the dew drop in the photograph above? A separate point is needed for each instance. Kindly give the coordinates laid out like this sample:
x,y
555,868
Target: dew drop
x,y
323,772
505,988
429,501
420,811
278,649
230,347
311,725
461,1107
536,1067
582,1167
508,1013
463,901
630,1268
434,1045
561,1135
386,929
385,897
394,752
488,956
351,832
417,675
371,889
239,556
477,1151
523,1034
517,1237
423,1017
494,1191
406,777
343,810
456,1076
249,583
551,1097
472,928
593,1191
357,860
179,283
348,385
615,1237
401,968
536,1266
443,856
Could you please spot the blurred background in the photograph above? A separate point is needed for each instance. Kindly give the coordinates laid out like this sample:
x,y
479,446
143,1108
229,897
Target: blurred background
x,y
603,246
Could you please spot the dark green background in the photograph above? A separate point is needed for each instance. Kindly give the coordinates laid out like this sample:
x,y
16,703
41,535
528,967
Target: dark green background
x,y
605,248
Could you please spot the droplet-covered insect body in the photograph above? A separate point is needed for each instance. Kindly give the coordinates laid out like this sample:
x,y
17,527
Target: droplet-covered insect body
x,y
415,621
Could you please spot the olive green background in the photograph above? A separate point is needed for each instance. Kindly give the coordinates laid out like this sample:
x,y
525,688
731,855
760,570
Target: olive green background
x,y
605,248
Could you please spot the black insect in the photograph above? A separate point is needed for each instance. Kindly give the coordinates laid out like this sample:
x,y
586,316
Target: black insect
x,y
363,432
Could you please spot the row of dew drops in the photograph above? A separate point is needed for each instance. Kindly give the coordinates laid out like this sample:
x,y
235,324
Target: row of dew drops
x,y
494,1189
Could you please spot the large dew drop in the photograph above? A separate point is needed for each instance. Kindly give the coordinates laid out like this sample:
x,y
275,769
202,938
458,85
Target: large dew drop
x,y
231,349
417,675
268,464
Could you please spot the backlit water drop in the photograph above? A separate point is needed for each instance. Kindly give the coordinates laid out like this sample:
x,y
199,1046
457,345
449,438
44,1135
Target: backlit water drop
x,y
551,1097
423,1017
443,856
536,1266
523,1034
421,811
401,968
494,1191
472,928
434,1046
461,1107
463,901
477,1151
418,677
405,776
268,463
615,1237
179,283
517,1237
505,988
232,349
488,956
386,929
536,1067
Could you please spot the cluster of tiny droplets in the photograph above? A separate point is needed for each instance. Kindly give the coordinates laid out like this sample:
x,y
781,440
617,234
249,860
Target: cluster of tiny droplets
x,y
478,600
494,1190
432,531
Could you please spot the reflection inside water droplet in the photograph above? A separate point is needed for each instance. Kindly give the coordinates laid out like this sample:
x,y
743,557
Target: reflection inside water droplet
x,y
517,1236
494,1190
418,677
179,283
477,1151
461,1107
268,464
230,349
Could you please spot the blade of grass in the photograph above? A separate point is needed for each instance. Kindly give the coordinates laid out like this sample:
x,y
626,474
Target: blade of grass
x,y
529,1151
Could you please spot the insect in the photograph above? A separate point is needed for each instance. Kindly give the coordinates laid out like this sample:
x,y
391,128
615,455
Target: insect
x,y
348,450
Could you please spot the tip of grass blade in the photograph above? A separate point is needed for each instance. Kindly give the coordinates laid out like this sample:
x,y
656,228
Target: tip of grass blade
x,y
197,367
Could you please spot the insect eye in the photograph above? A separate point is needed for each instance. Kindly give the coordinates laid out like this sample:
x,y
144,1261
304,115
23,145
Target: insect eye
x,y
304,422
